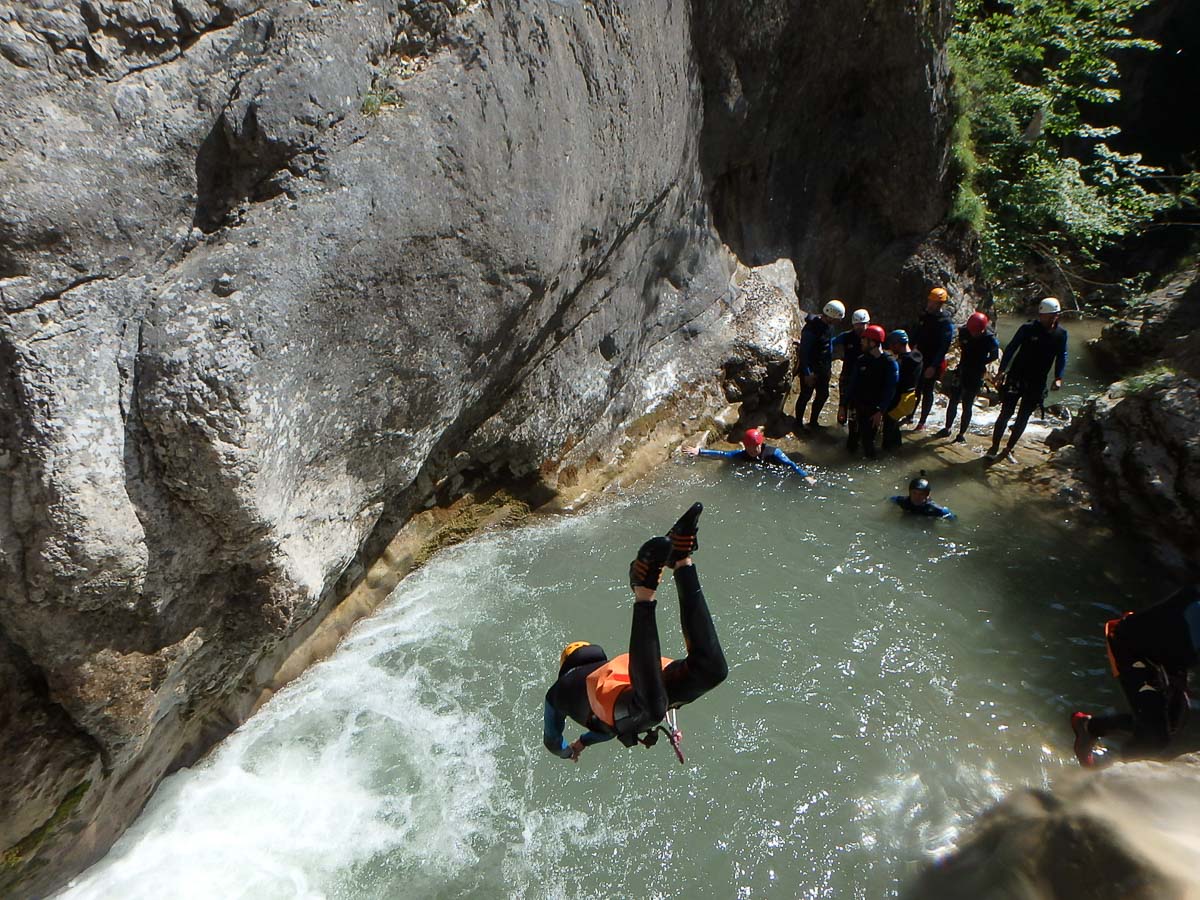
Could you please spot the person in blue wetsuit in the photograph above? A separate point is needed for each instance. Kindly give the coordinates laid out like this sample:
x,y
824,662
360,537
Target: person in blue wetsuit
x,y
753,451
847,346
904,400
814,361
918,503
1026,362
1149,652
626,697
870,391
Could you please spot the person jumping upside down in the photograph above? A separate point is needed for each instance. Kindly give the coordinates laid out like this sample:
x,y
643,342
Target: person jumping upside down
x,y
626,697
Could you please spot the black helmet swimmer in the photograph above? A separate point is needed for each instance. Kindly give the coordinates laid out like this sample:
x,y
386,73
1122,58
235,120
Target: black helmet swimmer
x,y
920,483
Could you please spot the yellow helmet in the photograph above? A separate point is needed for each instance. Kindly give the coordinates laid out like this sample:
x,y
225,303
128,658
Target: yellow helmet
x,y
571,648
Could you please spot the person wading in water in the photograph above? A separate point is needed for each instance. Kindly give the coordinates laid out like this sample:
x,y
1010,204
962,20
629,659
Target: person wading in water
x,y
979,347
1027,359
628,696
814,361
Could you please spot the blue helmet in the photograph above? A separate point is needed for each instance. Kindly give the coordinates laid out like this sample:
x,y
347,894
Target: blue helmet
x,y
899,336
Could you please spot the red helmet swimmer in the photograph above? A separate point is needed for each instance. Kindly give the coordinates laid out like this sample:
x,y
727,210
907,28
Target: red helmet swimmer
x,y
752,438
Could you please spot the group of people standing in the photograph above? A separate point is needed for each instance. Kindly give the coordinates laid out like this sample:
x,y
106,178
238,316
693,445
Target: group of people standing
x,y
887,380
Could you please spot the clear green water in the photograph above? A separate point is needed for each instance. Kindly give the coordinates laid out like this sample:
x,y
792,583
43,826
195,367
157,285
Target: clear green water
x,y
890,678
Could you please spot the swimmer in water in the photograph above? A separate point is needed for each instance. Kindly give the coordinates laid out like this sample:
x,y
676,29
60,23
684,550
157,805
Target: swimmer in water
x,y
755,452
628,696
918,503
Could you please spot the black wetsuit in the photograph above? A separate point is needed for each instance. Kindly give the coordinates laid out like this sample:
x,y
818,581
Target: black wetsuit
x,y
1026,363
652,688
1153,650
850,343
928,508
815,360
932,336
911,365
872,386
977,352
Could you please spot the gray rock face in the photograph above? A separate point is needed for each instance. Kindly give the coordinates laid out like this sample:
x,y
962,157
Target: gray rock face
x,y
1125,833
1138,449
272,270
1164,324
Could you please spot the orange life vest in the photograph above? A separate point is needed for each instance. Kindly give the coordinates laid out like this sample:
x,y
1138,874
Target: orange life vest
x,y
607,683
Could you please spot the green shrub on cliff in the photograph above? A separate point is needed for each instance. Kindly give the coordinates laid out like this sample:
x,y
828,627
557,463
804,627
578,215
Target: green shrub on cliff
x,y
1049,187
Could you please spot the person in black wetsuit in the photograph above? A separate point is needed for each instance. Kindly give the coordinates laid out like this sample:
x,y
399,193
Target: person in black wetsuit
x,y
870,391
933,335
628,696
1023,369
814,361
918,503
909,362
1150,653
847,346
753,451
979,347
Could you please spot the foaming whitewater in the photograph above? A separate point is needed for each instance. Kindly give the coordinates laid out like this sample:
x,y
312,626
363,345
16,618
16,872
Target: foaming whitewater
x,y
890,678
370,755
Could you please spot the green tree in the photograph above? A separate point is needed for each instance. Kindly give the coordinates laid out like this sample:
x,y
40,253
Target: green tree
x,y
1036,178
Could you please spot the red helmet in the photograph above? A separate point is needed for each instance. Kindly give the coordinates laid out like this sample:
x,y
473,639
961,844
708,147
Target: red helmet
x,y
875,333
752,438
977,324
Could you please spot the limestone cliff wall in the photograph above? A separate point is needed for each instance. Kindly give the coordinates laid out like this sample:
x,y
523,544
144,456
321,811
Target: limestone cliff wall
x,y
276,274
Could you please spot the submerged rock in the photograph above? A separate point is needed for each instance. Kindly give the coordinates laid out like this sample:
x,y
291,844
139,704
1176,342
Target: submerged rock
x,y
1123,833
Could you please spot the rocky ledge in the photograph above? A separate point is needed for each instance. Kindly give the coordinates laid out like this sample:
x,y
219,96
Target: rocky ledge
x,y
1124,833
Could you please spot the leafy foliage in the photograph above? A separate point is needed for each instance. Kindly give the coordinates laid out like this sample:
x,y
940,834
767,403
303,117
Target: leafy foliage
x,y
1047,185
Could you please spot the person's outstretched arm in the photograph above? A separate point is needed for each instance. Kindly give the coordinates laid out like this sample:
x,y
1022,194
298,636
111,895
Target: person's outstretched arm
x,y
786,460
1060,362
553,723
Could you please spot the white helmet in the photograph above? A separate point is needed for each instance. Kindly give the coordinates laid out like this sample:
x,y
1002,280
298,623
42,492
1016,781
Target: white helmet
x,y
835,309
860,317
1049,306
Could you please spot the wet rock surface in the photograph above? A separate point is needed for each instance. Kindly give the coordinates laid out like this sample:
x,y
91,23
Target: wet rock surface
x,y
1163,325
1124,833
1137,449
277,274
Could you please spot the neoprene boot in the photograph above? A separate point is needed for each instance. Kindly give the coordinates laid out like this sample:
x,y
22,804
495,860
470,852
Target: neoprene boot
x,y
646,570
683,534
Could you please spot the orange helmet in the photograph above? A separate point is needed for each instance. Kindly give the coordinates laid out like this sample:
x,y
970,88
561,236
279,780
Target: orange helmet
x,y
939,294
